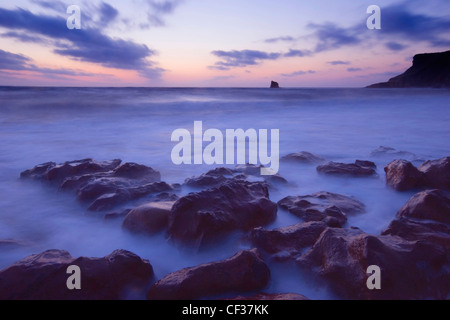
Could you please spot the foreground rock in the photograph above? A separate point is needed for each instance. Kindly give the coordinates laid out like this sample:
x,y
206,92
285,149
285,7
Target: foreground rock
x,y
409,269
273,296
121,275
429,205
104,184
357,169
149,218
244,272
235,205
288,242
402,175
303,157
324,206
429,70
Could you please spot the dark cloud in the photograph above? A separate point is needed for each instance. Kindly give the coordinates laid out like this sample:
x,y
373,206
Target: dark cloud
x,y
298,73
16,62
297,53
243,58
157,11
107,14
24,37
87,44
338,62
330,36
354,69
280,39
397,21
395,46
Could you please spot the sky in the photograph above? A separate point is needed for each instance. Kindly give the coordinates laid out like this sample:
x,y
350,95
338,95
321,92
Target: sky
x,y
215,43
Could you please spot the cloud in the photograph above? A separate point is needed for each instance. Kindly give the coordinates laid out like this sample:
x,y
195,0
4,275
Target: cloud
x,y
397,21
107,14
280,39
297,53
16,62
330,36
87,44
338,62
243,58
395,46
156,12
354,69
298,73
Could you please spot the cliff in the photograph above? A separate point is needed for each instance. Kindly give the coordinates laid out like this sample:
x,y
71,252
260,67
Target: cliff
x,y
429,70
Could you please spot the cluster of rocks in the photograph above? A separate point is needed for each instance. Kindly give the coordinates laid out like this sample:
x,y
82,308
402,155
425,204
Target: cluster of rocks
x,y
412,252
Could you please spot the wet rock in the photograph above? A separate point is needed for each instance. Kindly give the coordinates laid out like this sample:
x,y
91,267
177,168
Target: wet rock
x,y
392,153
323,206
436,173
402,175
116,215
120,275
105,184
303,157
272,296
244,272
59,172
235,205
357,169
416,230
149,218
288,241
409,269
430,205
123,195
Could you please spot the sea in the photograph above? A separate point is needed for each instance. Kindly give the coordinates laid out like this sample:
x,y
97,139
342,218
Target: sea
x,y
39,125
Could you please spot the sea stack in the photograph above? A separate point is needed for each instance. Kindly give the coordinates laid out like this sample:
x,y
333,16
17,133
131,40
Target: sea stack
x,y
274,85
429,70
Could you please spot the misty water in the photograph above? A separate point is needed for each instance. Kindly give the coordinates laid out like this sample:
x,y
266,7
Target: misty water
x,y
38,125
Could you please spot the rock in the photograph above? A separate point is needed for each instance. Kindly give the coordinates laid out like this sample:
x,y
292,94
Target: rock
x,y
393,153
120,275
402,175
429,70
105,184
272,296
123,195
323,206
116,215
409,269
436,173
415,230
149,218
52,172
430,205
274,85
235,205
303,157
358,169
289,241
244,272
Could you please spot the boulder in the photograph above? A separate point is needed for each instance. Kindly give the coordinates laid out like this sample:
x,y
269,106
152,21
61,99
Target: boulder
x,y
324,206
436,173
303,157
288,242
357,169
409,269
402,175
120,275
149,218
244,272
235,205
429,204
